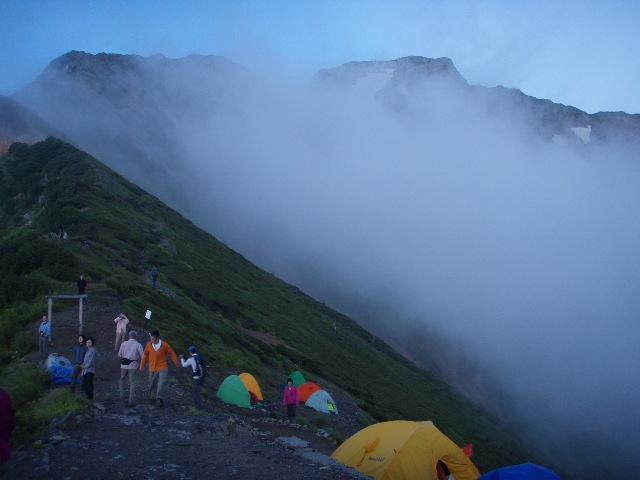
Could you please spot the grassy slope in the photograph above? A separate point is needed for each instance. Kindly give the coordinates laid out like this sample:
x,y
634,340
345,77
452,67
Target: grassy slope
x,y
117,232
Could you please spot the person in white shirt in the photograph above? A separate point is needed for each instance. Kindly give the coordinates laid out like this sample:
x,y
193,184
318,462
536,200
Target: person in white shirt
x,y
192,362
130,351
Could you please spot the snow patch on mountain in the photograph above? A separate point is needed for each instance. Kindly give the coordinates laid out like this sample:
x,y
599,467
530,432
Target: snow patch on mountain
x,y
583,133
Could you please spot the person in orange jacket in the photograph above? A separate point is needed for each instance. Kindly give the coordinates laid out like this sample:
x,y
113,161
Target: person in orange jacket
x,y
156,352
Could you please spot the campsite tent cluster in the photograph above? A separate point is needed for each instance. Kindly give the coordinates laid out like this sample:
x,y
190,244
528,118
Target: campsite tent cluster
x,y
404,450
243,390
312,395
395,450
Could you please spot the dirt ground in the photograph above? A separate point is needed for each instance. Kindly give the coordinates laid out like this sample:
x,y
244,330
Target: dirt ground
x,y
112,440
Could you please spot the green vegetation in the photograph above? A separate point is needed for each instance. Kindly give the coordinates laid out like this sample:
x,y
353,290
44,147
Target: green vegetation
x,y
208,296
303,422
319,421
35,404
337,436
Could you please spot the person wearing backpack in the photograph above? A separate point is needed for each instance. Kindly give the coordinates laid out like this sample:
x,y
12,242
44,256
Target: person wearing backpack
x,y
198,372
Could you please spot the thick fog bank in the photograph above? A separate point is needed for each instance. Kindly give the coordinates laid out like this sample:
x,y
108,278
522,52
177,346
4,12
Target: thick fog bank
x,y
523,254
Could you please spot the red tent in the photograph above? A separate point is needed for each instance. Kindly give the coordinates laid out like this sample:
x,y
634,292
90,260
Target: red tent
x,y
306,389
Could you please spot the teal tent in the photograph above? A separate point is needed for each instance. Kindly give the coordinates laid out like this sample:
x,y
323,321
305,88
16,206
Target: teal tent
x,y
321,401
232,390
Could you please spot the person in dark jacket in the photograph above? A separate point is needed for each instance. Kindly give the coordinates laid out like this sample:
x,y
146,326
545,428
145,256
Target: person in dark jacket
x,y
82,285
7,425
154,276
78,358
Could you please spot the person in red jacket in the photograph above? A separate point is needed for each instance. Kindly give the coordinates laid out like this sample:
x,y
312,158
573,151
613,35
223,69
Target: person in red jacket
x,y
7,425
156,353
290,399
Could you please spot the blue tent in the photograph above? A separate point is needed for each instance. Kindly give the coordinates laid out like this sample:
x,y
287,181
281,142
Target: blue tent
x,y
525,471
59,367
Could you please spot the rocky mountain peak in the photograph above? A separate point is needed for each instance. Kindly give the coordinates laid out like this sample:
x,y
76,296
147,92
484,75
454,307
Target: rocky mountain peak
x,y
75,62
362,74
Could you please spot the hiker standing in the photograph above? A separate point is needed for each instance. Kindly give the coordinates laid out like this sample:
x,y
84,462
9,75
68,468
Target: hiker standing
x,y
82,285
196,374
121,329
78,358
154,276
45,336
89,368
290,399
130,354
156,352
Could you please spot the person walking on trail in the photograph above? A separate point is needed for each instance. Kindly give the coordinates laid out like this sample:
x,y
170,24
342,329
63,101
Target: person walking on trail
x,y
78,358
82,285
154,276
130,354
290,399
89,368
121,330
156,352
196,375
45,336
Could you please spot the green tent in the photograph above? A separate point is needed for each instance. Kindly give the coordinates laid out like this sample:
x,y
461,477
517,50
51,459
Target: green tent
x,y
232,390
297,378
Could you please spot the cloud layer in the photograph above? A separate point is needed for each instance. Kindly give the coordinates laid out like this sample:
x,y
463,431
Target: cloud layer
x,y
522,254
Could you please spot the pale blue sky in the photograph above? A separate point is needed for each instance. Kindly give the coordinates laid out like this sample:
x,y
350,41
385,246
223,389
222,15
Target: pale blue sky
x,y
582,53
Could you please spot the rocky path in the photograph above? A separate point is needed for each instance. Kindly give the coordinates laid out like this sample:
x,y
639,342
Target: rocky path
x,y
111,440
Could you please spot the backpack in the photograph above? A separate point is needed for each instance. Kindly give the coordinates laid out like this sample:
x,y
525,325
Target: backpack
x,y
203,370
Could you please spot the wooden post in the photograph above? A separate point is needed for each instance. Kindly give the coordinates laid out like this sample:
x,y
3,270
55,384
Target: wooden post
x,y
50,315
80,316
80,297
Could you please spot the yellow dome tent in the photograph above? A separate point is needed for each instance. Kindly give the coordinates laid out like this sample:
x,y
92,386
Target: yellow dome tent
x,y
404,450
251,384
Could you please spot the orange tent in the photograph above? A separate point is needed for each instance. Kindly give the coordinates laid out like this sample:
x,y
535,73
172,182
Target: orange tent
x,y
251,384
306,389
404,450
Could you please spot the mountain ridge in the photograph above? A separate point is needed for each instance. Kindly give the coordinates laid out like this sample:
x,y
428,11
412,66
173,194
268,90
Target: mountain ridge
x,y
553,121
135,92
